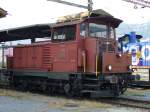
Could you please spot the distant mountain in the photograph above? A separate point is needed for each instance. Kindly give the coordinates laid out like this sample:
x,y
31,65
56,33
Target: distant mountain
x,y
141,29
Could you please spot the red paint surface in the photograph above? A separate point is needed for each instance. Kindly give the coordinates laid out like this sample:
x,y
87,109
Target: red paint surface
x,y
9,62
119,65
90,47
58,57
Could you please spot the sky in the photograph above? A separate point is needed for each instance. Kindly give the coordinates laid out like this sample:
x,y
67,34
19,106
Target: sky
x,y
28,12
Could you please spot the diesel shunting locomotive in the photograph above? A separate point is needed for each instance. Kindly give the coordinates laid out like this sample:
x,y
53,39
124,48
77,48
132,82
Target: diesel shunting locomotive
x,y
80,59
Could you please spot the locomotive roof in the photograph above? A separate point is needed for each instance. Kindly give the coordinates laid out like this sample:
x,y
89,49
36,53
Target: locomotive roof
x,y
114,21
43,30
83,16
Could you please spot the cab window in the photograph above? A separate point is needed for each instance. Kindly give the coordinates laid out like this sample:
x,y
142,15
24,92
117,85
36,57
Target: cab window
x,y
97,30
66,33
83,30
93,30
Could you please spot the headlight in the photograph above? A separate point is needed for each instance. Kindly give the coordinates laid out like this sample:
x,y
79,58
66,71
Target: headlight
x,y
130,67
119,55
109,67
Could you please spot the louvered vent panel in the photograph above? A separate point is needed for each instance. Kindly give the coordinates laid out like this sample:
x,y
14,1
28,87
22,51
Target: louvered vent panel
x,y
47,62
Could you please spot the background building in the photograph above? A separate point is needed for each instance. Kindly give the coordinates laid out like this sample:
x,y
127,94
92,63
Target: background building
x,y
3,13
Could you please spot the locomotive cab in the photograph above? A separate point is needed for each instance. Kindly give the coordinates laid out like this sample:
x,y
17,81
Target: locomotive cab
x,y
100,56
99,40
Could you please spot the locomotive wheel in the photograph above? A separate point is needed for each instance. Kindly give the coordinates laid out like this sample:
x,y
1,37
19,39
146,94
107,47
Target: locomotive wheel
x,y
50,91
73,88
24,85
44,86
67,89
119,90
76,88
116,90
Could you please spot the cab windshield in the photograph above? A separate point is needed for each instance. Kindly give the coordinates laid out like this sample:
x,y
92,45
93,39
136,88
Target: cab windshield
x,y
96,30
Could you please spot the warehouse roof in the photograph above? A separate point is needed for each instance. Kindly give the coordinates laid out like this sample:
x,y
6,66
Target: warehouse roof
x,y
26,32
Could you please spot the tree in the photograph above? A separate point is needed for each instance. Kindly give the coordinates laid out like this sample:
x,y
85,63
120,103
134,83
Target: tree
x,y
3,13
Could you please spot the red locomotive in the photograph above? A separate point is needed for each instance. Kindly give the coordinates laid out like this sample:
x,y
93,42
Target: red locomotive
x,y
80,59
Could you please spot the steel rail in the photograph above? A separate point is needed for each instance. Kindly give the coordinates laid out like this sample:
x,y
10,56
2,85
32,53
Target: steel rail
x,y
128,102
120,101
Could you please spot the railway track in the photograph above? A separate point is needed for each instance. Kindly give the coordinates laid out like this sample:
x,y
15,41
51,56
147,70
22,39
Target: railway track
x,y
129,102
120,101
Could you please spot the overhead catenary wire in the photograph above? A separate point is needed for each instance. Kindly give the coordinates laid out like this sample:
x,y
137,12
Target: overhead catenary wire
x,y
89,5
143,3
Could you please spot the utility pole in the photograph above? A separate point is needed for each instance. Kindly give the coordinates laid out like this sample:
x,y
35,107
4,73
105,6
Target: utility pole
x,y
143,3
88,7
